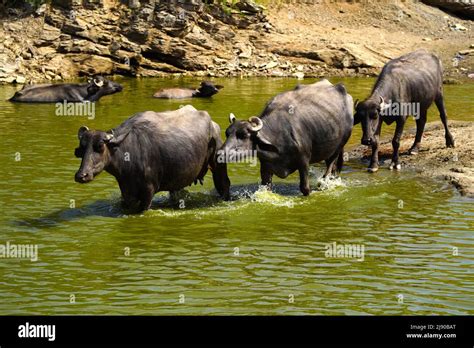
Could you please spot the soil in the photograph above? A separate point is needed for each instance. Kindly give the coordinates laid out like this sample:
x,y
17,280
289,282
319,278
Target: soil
x,y
375,31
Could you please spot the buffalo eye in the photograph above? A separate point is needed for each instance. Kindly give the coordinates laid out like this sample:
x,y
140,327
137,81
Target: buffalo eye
x,y
78,152
241,134
99,146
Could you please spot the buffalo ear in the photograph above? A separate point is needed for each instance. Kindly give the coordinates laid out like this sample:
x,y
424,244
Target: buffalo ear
x,y
113,140
108,137
356,103
357,119
264,144
81,131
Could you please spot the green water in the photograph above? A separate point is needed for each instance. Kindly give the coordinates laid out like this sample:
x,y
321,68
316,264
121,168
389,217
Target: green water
x,y
185,261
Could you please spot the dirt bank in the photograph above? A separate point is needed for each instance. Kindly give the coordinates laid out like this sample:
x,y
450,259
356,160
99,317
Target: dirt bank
x,y
163,38
456,165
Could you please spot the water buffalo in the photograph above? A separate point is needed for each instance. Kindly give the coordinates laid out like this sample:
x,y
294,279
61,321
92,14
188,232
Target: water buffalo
x,y
91,91
408,85
154,151
205,90
297,128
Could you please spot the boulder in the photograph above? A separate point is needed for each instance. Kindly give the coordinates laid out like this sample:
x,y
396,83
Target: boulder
x,y
461,8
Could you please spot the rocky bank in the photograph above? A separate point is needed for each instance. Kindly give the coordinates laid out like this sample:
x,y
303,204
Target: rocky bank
x,y
71,38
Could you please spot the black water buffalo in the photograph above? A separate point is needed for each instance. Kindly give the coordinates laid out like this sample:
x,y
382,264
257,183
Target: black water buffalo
x,y
408,85
306,125
91,91
205,90
153,152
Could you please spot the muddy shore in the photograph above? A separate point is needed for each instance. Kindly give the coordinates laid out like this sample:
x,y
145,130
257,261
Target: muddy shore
x,y
455,165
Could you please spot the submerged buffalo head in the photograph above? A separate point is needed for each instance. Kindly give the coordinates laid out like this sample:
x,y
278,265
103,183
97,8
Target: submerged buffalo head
x,y
243,137
368,114
207,89
95,149
98,86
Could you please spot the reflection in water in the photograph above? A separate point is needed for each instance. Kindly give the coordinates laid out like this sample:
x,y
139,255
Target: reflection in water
x,y
245,256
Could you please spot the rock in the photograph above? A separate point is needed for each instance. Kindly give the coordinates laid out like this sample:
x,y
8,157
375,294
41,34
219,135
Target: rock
x,y
94,65
267,27
467,52
471,76
8,68
177,26
248,6
462,8
426,39
133,4
41,10
457,27
13,26
148,64
451,81
357,56
137,33
45,51
8,79
299,75
197,37
271,65
244,51
48,35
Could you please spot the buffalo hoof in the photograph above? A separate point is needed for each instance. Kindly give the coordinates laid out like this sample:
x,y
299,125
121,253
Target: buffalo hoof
x,y
413,151
395,166
372,170
305,191
450,143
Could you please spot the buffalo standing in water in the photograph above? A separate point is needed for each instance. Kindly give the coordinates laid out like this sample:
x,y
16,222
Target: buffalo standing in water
x,y
153,152
416,80
206,90
91,91
297,128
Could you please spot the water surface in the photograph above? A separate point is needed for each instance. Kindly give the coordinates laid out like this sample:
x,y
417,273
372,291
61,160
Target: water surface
x,y
248,256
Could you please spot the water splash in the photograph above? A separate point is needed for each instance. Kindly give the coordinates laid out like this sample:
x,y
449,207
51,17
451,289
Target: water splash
x,y
263,195
329,183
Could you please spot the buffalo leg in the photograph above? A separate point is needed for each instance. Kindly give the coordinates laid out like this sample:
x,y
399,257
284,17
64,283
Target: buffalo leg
x,y
221,180
130,200
396,143
374,160
146,196
176,196
439,101
266,176
420,127
304,180
330,162
340,162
